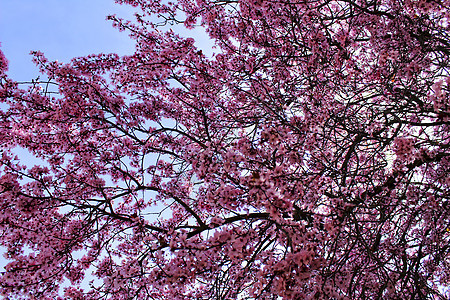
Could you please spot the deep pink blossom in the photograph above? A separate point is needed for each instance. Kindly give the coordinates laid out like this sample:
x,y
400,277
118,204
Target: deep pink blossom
x,y
308,158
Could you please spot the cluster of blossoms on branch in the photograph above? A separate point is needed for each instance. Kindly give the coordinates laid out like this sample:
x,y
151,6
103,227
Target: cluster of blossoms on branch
x,y
308,158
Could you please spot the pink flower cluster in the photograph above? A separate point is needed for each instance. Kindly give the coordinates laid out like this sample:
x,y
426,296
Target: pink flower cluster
x,y
263,171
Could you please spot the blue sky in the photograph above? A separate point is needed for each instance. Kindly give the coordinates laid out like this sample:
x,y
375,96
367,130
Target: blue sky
x,y
62,29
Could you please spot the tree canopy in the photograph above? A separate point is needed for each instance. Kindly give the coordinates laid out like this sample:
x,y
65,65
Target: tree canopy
x,y
307,158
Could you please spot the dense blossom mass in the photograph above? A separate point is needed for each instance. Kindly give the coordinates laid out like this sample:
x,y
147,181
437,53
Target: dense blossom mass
x,y
307,158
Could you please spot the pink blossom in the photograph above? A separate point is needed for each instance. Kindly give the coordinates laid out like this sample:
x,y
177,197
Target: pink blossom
x,y
306,159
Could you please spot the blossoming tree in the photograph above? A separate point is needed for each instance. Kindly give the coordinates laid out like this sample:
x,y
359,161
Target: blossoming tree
x,y
308,158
